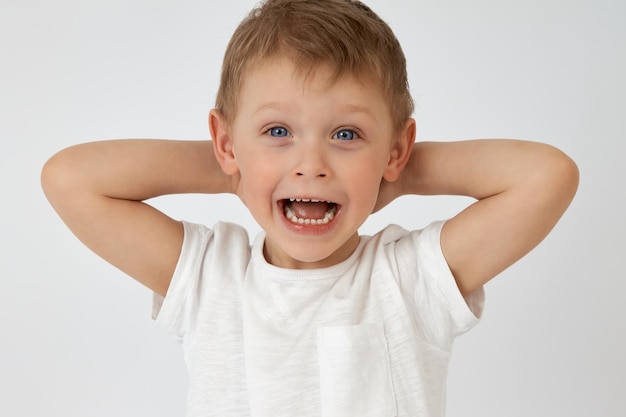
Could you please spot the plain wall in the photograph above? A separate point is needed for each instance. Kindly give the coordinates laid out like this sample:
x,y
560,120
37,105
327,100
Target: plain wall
x,y
77,336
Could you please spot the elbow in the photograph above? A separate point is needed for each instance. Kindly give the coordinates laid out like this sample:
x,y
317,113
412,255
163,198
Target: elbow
x,y
55,178
567,174
49,175
559,176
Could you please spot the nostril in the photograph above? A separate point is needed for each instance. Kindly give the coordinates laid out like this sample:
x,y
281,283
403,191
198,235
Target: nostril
x,y
302,174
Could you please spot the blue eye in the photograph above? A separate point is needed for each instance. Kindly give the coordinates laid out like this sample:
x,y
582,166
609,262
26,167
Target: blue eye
x,y
345,134
278,132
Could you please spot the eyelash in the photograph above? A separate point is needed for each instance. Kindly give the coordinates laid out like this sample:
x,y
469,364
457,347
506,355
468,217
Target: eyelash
x,y
355,134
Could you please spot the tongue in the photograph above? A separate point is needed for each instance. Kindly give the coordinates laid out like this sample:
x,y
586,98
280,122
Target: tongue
x,y
310,210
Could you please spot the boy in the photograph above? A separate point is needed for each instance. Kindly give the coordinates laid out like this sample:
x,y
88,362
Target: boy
x,y
312,130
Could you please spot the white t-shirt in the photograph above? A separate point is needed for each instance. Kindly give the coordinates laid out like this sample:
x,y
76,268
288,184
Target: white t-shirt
x,y
370,336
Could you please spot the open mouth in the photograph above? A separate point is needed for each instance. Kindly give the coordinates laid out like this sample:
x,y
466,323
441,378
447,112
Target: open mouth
x,y
309,211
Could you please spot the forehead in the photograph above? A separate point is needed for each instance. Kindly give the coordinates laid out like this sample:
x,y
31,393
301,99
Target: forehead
x,y
281,80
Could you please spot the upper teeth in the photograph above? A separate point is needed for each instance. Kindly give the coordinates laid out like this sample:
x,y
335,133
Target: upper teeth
x,y
308,200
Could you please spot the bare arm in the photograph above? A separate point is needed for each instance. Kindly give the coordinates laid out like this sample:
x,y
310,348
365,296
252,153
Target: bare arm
x,y
98,188
522,189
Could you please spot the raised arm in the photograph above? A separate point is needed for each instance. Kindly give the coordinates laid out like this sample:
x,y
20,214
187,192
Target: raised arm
x,y
522,189
98,188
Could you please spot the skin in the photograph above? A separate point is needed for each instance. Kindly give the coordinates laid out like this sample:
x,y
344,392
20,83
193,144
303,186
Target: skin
x,y
521,188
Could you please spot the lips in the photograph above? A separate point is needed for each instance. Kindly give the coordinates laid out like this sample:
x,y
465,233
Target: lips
x,y
305,211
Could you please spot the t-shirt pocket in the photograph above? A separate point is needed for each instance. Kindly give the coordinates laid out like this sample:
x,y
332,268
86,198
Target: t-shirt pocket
x,y
355,376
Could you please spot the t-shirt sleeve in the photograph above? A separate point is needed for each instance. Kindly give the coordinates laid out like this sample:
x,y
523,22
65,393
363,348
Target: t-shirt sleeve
x,y
466,311
441,310
178,308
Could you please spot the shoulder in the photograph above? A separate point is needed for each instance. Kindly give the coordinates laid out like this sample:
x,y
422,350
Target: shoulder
x,y
414,258
400,239
210,269
409,254
207,248
222,232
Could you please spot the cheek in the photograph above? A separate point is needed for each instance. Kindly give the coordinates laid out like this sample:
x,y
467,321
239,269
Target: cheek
x,y
257,172
365,184
257,181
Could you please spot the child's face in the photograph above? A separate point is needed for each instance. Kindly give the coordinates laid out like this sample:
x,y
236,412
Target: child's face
x,y
302,137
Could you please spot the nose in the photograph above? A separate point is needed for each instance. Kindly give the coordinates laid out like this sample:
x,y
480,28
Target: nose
x,y
312,161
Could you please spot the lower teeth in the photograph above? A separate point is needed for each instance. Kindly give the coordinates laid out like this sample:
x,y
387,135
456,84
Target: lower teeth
x,y
291,215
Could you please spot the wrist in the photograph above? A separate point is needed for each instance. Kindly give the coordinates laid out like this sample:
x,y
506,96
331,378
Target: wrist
x,y
410,180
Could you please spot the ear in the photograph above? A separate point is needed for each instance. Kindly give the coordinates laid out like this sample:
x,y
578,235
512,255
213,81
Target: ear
x,y
400,151
222,142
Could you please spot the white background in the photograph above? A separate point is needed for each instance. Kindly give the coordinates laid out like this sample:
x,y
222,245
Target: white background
x,y
77,339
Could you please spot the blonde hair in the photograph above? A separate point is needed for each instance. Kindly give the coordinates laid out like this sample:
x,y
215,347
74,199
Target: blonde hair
x,y
345,35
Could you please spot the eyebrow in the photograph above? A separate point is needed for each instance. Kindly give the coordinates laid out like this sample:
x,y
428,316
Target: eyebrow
x,y
271,106
350,108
